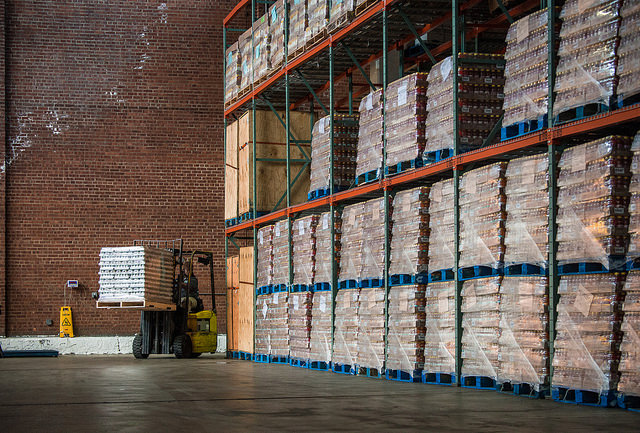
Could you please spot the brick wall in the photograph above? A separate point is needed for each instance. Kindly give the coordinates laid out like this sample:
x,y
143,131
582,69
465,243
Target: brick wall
x,y
3,316
114,133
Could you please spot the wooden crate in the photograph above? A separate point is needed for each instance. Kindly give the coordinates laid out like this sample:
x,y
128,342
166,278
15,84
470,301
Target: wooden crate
x,y
233,269
233,304
246,290
231,172
271,175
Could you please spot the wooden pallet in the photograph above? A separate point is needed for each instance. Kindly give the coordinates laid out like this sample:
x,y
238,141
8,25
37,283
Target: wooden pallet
x,y
341,22
140,305
362,7
316,39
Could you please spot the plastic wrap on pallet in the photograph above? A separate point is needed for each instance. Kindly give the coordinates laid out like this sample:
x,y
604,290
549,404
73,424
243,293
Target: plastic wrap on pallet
x,y
481,327
586,71
324,255
371,328
527,225
278,316
297,26
304,249
318,13
406,111
587,344
136,274
352,240
276,35
320,335
523,342
281,253
592,201
345,141
264,270
345,336
409,247
245,46
526,87
480,98
300,304
261,55
634,201
263,329
373,239
232,72
440,331
340,13
630,348
407,322
629,50
482,213
370,142
441,226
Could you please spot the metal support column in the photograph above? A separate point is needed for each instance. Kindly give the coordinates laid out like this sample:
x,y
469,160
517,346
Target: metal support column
x,y
387,239
334,267
288,153
255,184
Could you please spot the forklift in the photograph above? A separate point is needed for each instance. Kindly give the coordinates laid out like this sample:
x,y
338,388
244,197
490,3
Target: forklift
x,y
186,329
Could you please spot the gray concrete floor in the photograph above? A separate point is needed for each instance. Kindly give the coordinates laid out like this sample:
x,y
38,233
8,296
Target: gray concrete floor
x,y
119,393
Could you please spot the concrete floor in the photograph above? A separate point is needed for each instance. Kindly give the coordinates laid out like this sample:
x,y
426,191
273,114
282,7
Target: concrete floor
x,y
119,393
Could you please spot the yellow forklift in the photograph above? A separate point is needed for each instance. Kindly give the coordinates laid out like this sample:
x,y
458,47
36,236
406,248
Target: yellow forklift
x,y
188,330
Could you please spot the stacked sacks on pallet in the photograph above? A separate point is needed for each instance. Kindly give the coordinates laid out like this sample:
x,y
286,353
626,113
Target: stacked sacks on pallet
x,y
297,26
633,252
345,139
371,332
407,321
405,114
345,337
441,228
482,214
526,87
409,246
524,335
276,35
527,226
264,270
371,272
318,13
480,98
281,254
245,46
261,55
263,326
481,332
232,73
440,333
300,304
587,344
370,143
587,60
324,254
278,316
629,51
351,250
629,385
592,205
264,281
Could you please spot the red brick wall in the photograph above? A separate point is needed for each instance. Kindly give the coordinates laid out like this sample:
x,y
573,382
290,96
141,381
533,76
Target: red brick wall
x,y
3,316
114,133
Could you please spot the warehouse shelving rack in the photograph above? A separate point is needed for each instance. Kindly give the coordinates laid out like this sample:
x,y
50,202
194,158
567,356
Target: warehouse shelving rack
x,y
302,79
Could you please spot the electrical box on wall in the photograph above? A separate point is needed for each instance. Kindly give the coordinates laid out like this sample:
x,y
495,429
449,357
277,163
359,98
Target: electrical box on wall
x,y
72,284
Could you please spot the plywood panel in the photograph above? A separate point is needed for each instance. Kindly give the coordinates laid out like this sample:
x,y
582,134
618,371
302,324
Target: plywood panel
x,y
245,317
235,320
230,192
235,274
246,265
232,313
271,175
232,145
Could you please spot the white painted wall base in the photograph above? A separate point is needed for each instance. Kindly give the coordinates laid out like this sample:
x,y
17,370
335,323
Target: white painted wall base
x,y
82,345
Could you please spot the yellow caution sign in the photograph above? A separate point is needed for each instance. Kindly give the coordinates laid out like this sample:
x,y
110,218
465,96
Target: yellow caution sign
x,y
66,322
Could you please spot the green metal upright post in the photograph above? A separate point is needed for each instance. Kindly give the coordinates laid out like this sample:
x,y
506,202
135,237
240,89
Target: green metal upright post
x,y
385,64
334,267
288,144
455,44
255,184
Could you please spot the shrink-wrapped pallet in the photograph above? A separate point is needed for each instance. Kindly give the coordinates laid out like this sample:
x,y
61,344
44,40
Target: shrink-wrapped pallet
x,y
297,27
281,253
440,329
371,332
276,35
340,13
593,197
407,327
320,335
232,72
263,324
261,55
345,141
351,242
526,86
245,47
324,253
264,270
527,224
373,234
278,316
300,304
480,98
441,226
587,60
629,50
409,246
630,348
405,115
318,13
634,201
345,337
482,214
136,274
304,250
480,327
523,342
369,158
587,344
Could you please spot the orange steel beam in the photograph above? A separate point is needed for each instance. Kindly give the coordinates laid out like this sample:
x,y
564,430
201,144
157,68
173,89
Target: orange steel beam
x,y
234,11
604,120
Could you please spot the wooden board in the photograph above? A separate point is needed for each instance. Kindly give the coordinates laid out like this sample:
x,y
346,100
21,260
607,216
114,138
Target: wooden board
x,y
271,175
245,317
231,173
233,269
232,144
231,312
246,266
235,320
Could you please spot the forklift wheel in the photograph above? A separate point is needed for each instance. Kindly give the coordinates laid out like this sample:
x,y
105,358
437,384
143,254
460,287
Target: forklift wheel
x,y
195,354
182,346
137,348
